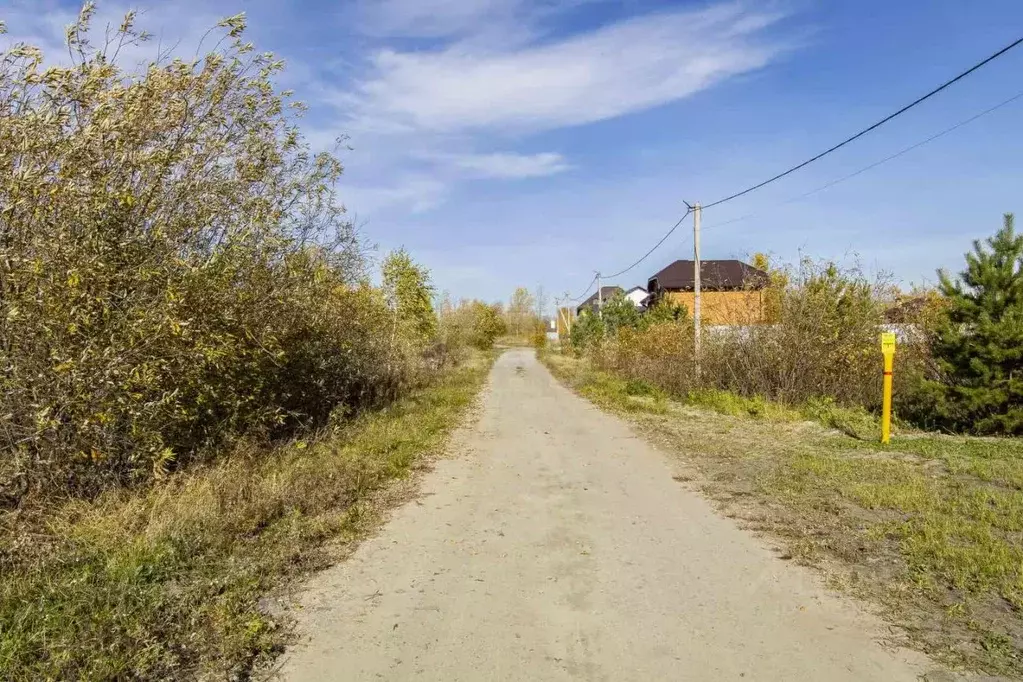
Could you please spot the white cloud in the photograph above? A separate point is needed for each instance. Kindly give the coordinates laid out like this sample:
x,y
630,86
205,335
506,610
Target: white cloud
x,y
619,69
422,121
505,165
435,111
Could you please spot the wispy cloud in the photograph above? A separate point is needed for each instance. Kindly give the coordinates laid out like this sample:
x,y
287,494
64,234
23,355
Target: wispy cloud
x,y
446,100
505,165
619,69
413,193
430,18
444,78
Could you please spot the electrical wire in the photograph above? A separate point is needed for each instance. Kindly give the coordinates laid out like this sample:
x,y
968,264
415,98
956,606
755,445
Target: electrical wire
x,y
885,160
655,247
830,150
586,291
863,132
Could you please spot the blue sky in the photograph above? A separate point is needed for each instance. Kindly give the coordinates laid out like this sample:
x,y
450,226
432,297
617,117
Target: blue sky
x,y
531,142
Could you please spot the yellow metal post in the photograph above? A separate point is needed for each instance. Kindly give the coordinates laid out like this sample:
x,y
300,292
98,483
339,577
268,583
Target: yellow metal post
x,y
888,350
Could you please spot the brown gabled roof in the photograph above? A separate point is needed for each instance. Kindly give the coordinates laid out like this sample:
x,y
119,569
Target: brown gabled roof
x,y
720,275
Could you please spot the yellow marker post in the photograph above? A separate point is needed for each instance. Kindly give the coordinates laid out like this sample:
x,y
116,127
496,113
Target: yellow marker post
x,y
888,350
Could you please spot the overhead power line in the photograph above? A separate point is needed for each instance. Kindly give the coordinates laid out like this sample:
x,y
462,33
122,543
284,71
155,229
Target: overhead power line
x,y
891,157
834,148
655,247
863,132
585,291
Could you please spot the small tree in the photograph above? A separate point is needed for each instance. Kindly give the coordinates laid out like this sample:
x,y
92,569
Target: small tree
x,y
665,310
410,297
587,329
979,344
777,282
176,266
487,324
540,302
538,337
619,312
521,313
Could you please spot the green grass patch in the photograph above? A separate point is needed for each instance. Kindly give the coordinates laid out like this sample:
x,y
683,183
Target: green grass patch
x,y
994,460
166,583
955,531
725,402
855,422
610,392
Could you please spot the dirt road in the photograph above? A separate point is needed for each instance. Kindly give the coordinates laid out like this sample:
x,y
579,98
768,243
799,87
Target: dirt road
x,y
555,545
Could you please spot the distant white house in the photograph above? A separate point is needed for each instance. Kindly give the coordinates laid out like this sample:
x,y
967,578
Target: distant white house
x,y
636,295
551,327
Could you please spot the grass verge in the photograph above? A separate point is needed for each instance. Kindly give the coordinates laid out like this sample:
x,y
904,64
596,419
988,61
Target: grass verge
x,y
930,527
167,583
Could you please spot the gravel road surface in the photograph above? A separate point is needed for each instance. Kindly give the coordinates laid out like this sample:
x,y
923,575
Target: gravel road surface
x,y
555,545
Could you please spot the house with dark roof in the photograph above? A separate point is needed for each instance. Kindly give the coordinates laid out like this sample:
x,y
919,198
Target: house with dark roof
x,y
593,302
732,292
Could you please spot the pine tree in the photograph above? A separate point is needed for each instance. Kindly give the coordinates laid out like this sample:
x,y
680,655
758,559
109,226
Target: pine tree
x,y
979,345
619,312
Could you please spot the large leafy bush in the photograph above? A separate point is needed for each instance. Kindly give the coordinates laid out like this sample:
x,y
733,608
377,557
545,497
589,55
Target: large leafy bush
x,y
176,268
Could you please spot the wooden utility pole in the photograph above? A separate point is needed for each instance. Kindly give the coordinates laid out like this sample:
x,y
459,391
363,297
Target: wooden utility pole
x,y
600,298
564,317
696,287
566,313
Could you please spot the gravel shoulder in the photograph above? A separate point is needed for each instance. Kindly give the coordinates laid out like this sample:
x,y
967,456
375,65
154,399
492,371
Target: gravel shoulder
x,y
555,545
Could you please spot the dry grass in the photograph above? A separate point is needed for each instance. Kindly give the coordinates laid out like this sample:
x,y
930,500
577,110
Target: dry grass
x,y
166,583
929,528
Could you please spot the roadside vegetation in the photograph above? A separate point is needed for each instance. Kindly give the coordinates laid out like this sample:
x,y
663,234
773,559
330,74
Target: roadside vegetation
x,y
781,425
958,356
205,392
169,583
820,345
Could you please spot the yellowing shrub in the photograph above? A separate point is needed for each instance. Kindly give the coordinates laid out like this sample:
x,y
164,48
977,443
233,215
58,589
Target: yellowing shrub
x,y
175,266
822,342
